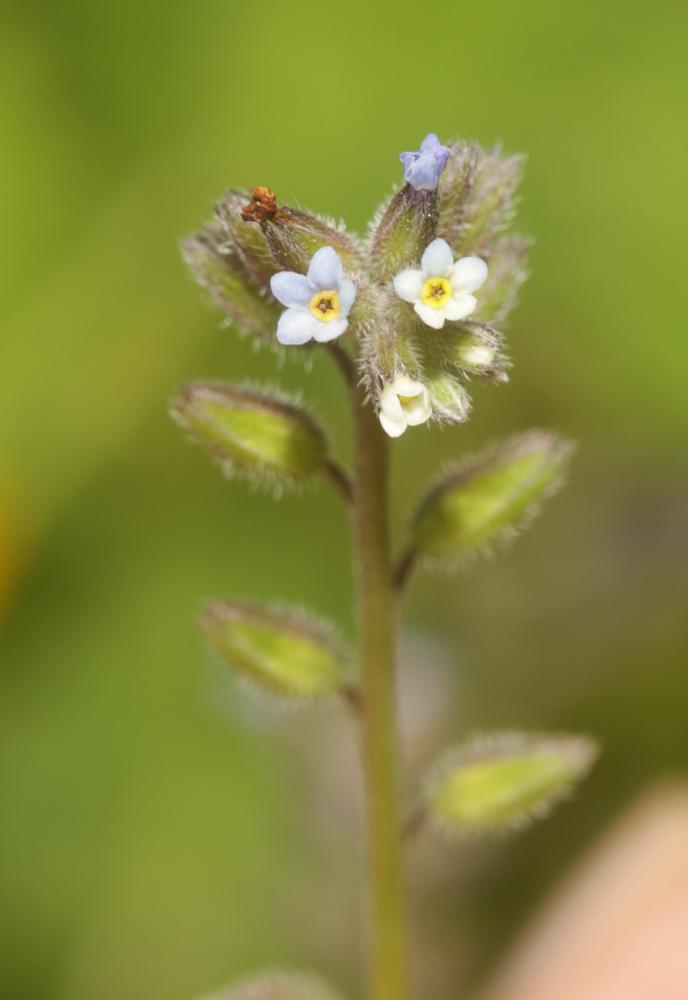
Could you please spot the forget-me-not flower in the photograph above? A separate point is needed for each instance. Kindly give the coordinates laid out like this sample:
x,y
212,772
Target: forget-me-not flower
x,y
318,303
422,168
403,403
442,288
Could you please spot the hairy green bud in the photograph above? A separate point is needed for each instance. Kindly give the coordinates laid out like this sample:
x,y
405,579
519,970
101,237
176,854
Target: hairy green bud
x,y
294,236
402,230
218,268
449,398
503,781
284,652
508,270
490,202
489,497
456,184
247,240
252,432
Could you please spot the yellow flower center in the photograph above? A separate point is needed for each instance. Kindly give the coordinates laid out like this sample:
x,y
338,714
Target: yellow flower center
x,y
325,306
435,292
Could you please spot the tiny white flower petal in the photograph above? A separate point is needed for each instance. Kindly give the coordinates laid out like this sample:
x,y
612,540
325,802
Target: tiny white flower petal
x,y
325,269
329,331
405,386
296,326
347,294
408,285
395,427
459,306
419,409
291,289
480,355
469,273
390,403
431,316
437,260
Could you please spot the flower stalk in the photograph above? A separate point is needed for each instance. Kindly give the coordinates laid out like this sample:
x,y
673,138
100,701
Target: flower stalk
x,y
380,738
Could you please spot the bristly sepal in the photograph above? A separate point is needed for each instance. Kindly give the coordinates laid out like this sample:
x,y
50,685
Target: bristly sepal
x,y
285,652
488,498
216,265
499,783
401,231
266,437
294,236
507,272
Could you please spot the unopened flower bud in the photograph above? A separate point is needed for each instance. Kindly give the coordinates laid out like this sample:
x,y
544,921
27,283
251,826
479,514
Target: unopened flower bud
x,y
489,202
283,652
219,269
489,497
475,348
508,271
252,432
449,398
294,236
404,228
503,781
248,241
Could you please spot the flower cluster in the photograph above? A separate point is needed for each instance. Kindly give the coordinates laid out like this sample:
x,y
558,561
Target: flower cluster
x,y
418,305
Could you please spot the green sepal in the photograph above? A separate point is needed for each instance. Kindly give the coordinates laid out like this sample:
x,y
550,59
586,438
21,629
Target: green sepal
x,y
490,202
258,434
402,230
217,267
284,652
247,240
489,497
294,236
508,269
501,782
455,186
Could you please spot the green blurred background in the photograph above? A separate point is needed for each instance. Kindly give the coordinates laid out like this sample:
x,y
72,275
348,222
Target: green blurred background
x,y
161,832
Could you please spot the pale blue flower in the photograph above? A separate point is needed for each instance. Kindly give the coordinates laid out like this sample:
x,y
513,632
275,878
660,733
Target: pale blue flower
x,y
318,303
422,169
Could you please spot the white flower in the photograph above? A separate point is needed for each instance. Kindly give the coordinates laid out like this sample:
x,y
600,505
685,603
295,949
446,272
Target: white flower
x,y
442,288
318,303
403,403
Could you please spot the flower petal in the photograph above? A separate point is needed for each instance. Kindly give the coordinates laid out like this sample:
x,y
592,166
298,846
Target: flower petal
x,y
469,273
419,409
394,426
325,269
459,306
408,285
296,326
347,294
291,289
437,260
429,142
405,386
329,331
430,316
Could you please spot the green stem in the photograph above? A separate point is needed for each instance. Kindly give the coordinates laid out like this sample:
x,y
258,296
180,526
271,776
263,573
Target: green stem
x,y
377,630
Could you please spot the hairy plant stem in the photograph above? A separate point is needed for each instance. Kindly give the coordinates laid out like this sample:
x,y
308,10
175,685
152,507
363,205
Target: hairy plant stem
x,y
377,650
